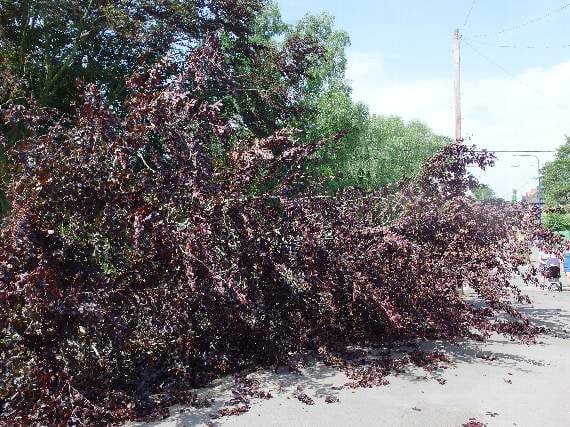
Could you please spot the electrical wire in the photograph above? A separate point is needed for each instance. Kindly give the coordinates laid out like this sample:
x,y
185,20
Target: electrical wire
x,y
514,77
466,21
511,46
514,151
526,23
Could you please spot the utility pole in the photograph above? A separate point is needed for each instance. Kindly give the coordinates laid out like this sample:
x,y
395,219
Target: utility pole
x,y
457,83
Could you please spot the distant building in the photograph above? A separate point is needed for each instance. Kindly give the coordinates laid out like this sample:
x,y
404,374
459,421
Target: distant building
x,y
531,197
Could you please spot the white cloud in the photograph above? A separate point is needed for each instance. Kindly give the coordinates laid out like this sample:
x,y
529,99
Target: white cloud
x,y
364,65
498,112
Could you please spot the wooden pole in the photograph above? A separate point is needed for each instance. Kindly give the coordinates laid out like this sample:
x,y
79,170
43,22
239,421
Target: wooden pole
x,y
457,83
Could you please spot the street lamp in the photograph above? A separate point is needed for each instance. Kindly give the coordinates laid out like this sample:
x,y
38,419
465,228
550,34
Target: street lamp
x,y
539,191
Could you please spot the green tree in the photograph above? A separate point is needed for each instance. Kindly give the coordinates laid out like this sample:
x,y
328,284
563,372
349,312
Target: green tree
x,y
373,150
52,43
330,69
556,178
382,150
557,221
483,192
328,107
324,96
556,189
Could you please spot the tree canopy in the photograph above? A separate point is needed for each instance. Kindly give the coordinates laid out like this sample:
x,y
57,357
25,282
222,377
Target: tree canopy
x,y
556,177
556,189
377,151
50,45
483,192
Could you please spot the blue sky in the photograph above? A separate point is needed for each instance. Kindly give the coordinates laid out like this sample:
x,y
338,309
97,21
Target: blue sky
x,y
400,63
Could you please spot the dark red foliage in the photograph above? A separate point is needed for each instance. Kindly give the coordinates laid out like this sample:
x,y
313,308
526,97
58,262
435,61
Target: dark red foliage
x,y
135,264
372,370
331,399
244,390
303,397
231,411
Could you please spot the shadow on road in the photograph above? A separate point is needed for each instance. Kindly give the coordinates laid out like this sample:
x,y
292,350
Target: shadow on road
x,y
556,321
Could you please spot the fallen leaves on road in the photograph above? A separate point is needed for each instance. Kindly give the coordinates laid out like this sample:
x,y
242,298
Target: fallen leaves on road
x,y
474,423
244,389
302,397
229,411
487,356
331,399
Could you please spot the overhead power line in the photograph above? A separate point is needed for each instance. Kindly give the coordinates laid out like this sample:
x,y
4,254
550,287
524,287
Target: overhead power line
x,y
526,23
466,20
515,151
512,46
514,77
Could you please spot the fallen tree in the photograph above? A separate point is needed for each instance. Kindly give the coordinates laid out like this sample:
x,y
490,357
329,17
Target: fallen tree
x,y
136,263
